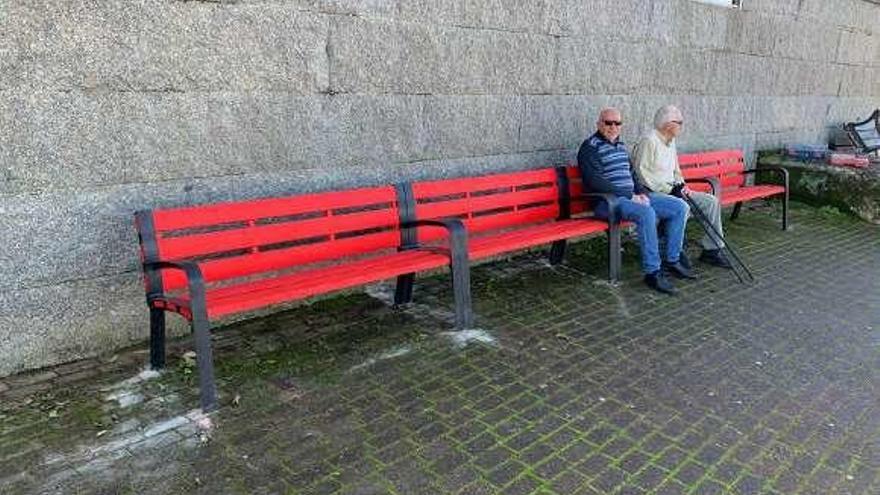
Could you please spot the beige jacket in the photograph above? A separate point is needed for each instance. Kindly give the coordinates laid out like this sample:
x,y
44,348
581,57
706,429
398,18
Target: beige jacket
x,y
656,163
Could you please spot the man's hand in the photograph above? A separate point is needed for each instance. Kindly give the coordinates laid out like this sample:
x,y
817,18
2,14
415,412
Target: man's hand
x,y
679,190
641,199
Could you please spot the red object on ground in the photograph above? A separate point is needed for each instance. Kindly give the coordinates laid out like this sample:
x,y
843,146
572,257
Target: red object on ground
x,y
848,160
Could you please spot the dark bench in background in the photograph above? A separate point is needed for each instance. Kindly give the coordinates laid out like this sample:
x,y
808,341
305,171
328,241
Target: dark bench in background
x,y
865,135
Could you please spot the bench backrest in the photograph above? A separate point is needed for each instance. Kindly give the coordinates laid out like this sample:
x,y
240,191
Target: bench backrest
x,y
725,165
245,238
493,202
576,203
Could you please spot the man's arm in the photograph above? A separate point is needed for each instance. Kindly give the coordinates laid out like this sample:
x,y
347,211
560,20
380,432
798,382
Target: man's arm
x,y
638,188
645,165
679,178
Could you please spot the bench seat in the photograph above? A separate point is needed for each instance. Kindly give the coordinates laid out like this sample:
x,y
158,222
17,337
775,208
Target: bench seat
x,y
224,301
537,235
750,192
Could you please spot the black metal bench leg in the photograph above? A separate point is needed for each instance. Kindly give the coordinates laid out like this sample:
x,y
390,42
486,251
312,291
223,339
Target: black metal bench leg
x,y
403,293
557,252
461,286
205,360
614,260
157,338
461,281
785,211
736,208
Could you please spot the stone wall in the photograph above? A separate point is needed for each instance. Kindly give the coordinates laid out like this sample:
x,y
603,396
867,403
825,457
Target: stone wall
x,y
115,105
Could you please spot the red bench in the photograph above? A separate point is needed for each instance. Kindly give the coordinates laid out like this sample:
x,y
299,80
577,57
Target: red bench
x,y
724,174
210,261
509,212
207,262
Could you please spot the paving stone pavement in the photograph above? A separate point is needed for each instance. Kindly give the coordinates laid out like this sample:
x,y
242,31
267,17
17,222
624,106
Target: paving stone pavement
x,y
570,385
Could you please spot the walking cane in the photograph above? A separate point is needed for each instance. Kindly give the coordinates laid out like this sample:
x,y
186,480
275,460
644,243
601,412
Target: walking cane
x,y
713,233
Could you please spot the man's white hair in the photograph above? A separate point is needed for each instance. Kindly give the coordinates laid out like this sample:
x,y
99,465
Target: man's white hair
x,y
665,115
604,111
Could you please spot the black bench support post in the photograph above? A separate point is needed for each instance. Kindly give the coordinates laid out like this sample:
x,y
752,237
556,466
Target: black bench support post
x,y
736,209
205,361
557,249
202,333
614,258
153,281
784,173
201,327
403,292
785,210
461,275
157,338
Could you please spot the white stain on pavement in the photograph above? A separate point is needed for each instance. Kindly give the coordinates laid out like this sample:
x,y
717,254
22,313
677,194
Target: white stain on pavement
x,y
461,338
391,354
124,393
131,438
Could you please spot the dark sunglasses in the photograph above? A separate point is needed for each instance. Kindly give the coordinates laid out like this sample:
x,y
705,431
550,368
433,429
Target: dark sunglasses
x,y
610,123
679,122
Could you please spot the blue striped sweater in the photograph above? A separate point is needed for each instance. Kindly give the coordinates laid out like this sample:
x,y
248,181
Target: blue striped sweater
x,y
606,167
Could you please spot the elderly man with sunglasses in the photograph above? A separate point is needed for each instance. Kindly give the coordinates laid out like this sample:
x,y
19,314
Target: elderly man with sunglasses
x,y
606,167
656,163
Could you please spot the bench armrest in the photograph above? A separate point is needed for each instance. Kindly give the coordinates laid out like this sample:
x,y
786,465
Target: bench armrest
x,y
780,171
713,182
195,281
609,198
455,227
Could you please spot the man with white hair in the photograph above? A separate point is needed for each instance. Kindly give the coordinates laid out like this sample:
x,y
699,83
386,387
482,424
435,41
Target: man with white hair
x,y
656,162
605,167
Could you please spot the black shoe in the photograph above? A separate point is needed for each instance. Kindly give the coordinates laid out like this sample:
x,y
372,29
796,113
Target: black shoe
x,y
715,257
678,270
659,282
684,260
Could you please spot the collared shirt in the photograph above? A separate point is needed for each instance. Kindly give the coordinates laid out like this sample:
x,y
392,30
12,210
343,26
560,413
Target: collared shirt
x,y
656,163
606,167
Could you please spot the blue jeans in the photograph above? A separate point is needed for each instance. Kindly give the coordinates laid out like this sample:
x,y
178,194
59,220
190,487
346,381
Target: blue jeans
x,y
673,213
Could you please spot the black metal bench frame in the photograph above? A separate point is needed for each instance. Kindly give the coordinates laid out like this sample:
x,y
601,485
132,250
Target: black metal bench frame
x,y
855,135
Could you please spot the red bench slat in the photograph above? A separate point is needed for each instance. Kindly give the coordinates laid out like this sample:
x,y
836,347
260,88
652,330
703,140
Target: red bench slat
x,y
300,285
260,235
750,192
435,188
279,259
476,204
535,199
243,211
708,157
537,235
495,222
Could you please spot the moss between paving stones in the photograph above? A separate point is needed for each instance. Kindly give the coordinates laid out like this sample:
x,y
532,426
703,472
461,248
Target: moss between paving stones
x,y
489,393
